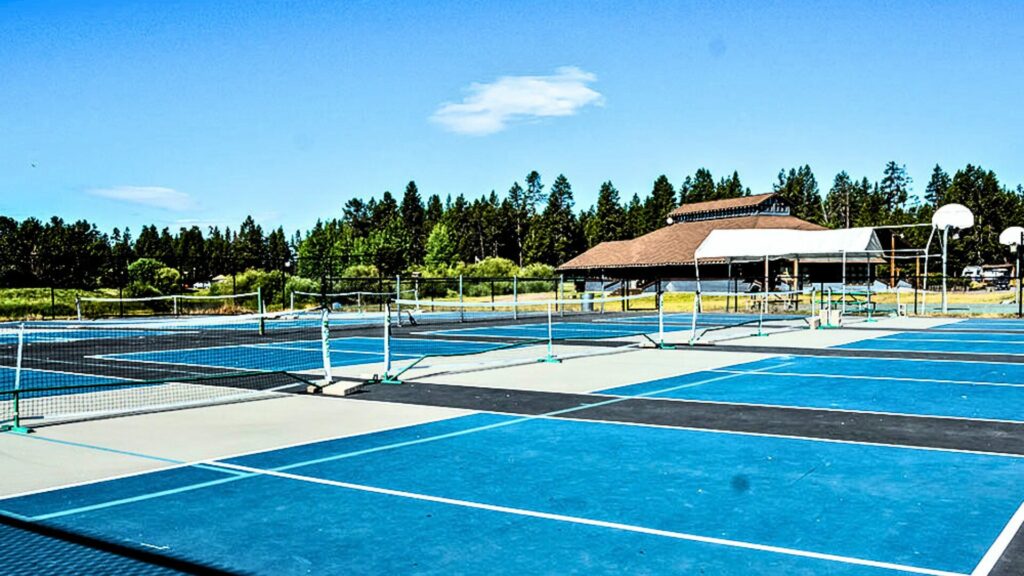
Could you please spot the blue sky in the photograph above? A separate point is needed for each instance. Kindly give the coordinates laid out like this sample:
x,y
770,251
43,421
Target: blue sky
x,y
178,112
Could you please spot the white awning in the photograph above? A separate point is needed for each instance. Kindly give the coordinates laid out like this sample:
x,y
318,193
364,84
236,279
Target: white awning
x,y
813,245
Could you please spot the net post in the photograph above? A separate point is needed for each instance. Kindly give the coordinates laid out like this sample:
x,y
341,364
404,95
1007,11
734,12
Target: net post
x,y
174,304
561,294
693,319
515,297
550,358
78,306
15,426
325,345
386,377
661,321
259,310
291,301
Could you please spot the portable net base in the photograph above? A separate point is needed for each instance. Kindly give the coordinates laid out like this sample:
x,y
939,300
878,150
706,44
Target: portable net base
x,y
53,373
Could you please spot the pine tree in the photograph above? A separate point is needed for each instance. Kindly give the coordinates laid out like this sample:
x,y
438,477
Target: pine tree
x,y
557,236
249,247
148,243
731,187
894,187
414,221
938,185
800,190
659,203
384,212
610,216
703,187
278,250
686,191
636,218
843,203
457,218
522,209
356,214
433,214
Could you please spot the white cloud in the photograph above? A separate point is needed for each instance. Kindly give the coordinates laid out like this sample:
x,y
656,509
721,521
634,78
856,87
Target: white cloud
x,y
153,196
489,108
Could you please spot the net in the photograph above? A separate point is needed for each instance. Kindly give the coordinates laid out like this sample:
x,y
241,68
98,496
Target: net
x,y
359,302
173,305
717,316
53,372
458,336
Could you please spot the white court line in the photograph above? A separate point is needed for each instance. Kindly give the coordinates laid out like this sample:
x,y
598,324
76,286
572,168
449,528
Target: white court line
x,y
965,340
853,346
995,552
777,435
862,377
965,360
66,373
831,409
596,523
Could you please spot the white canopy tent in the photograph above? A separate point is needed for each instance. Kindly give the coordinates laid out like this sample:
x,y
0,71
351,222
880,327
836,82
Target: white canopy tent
x,y
754,245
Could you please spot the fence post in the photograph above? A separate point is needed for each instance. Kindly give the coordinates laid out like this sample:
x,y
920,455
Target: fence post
x,y
398,297
259,310
462,311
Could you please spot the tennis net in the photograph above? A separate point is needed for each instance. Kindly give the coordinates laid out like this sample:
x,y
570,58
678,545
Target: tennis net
x,y
172,305
360,302
717,316
458,336
53,372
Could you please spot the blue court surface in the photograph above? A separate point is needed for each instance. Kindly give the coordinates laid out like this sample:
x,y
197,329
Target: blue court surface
x,y
918,387
998,324
491,494
35,335
34,379
945,341
304,354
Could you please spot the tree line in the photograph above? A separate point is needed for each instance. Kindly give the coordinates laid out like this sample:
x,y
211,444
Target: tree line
x,y
531,223
77,254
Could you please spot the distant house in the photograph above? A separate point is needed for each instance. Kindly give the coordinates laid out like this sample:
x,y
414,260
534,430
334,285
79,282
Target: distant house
x,y
667,253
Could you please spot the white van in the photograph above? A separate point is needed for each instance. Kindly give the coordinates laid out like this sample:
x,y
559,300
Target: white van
x,y
972,272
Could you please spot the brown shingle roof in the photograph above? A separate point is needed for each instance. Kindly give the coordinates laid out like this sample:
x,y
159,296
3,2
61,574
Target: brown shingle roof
x,y
724,204
673,245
